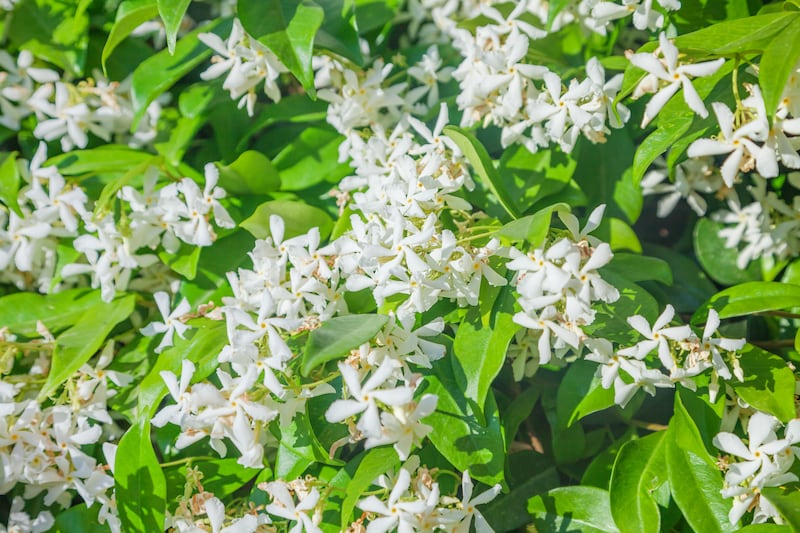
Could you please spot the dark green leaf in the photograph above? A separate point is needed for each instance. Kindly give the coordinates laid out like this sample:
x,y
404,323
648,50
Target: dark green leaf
x,y
130,15
79,518
172,12
311,158
288,28
479,158
635,268
577,508
508,512
531,177
337,336
298,448
298,218
337,33
76,345
720,262
581,393
639,470
139,482
736,36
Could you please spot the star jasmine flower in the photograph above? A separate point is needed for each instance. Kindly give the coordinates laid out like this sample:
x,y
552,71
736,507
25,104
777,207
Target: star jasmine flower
x,y
667,69
468,505
171,323
657,337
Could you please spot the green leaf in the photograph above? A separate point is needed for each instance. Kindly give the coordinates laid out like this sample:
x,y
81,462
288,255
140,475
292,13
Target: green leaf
x,y
576,508
720,262
518,410
251,173
581,393
751,298
311,158
639,470
531,177
368,466
298,218
532,229
201,348
79,518
109,192
736,36
161,71
766,528
9,182
298,448
109,158
288,28
787,502
634,267
695,486
130,15
19,312
139,482
657,143
480,345
172,12
611,318
184,261
768,383
695,286
777,64
509,512
337,33
469,439
479,158
295,108
220,476
337,336
53,30
76,345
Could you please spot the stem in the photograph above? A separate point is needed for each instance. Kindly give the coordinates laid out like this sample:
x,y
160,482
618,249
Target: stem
x,y
782,343
185,460
784,314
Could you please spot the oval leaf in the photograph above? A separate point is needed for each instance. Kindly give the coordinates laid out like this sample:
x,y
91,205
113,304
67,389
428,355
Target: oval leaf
x,y
337,336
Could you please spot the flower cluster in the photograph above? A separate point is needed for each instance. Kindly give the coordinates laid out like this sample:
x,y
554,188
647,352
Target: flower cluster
x,y
764,461
245,62
43,447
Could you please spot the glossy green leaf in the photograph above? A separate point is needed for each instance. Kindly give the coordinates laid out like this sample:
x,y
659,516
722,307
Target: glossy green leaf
x,y
469,438
161,71
298,448
480,346
53,30
768,383
720,262
777,64
20,311
655,144
337,33
695,485
611,318
531,177
311,158
371,464
110,158
751,298
736,36
337,336
139,482
9,182
184,261
172,12
635,268
288,28
298,218
220,476
695,287
482,163
532,229
78,518
787,502
201,348
581,393
639,470
109,193
76,345
766,528
576,508
130,15
251,173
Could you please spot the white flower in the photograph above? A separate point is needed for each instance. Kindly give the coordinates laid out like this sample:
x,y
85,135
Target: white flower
x,y
657,337
283,505
676,76
172,321
468,504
